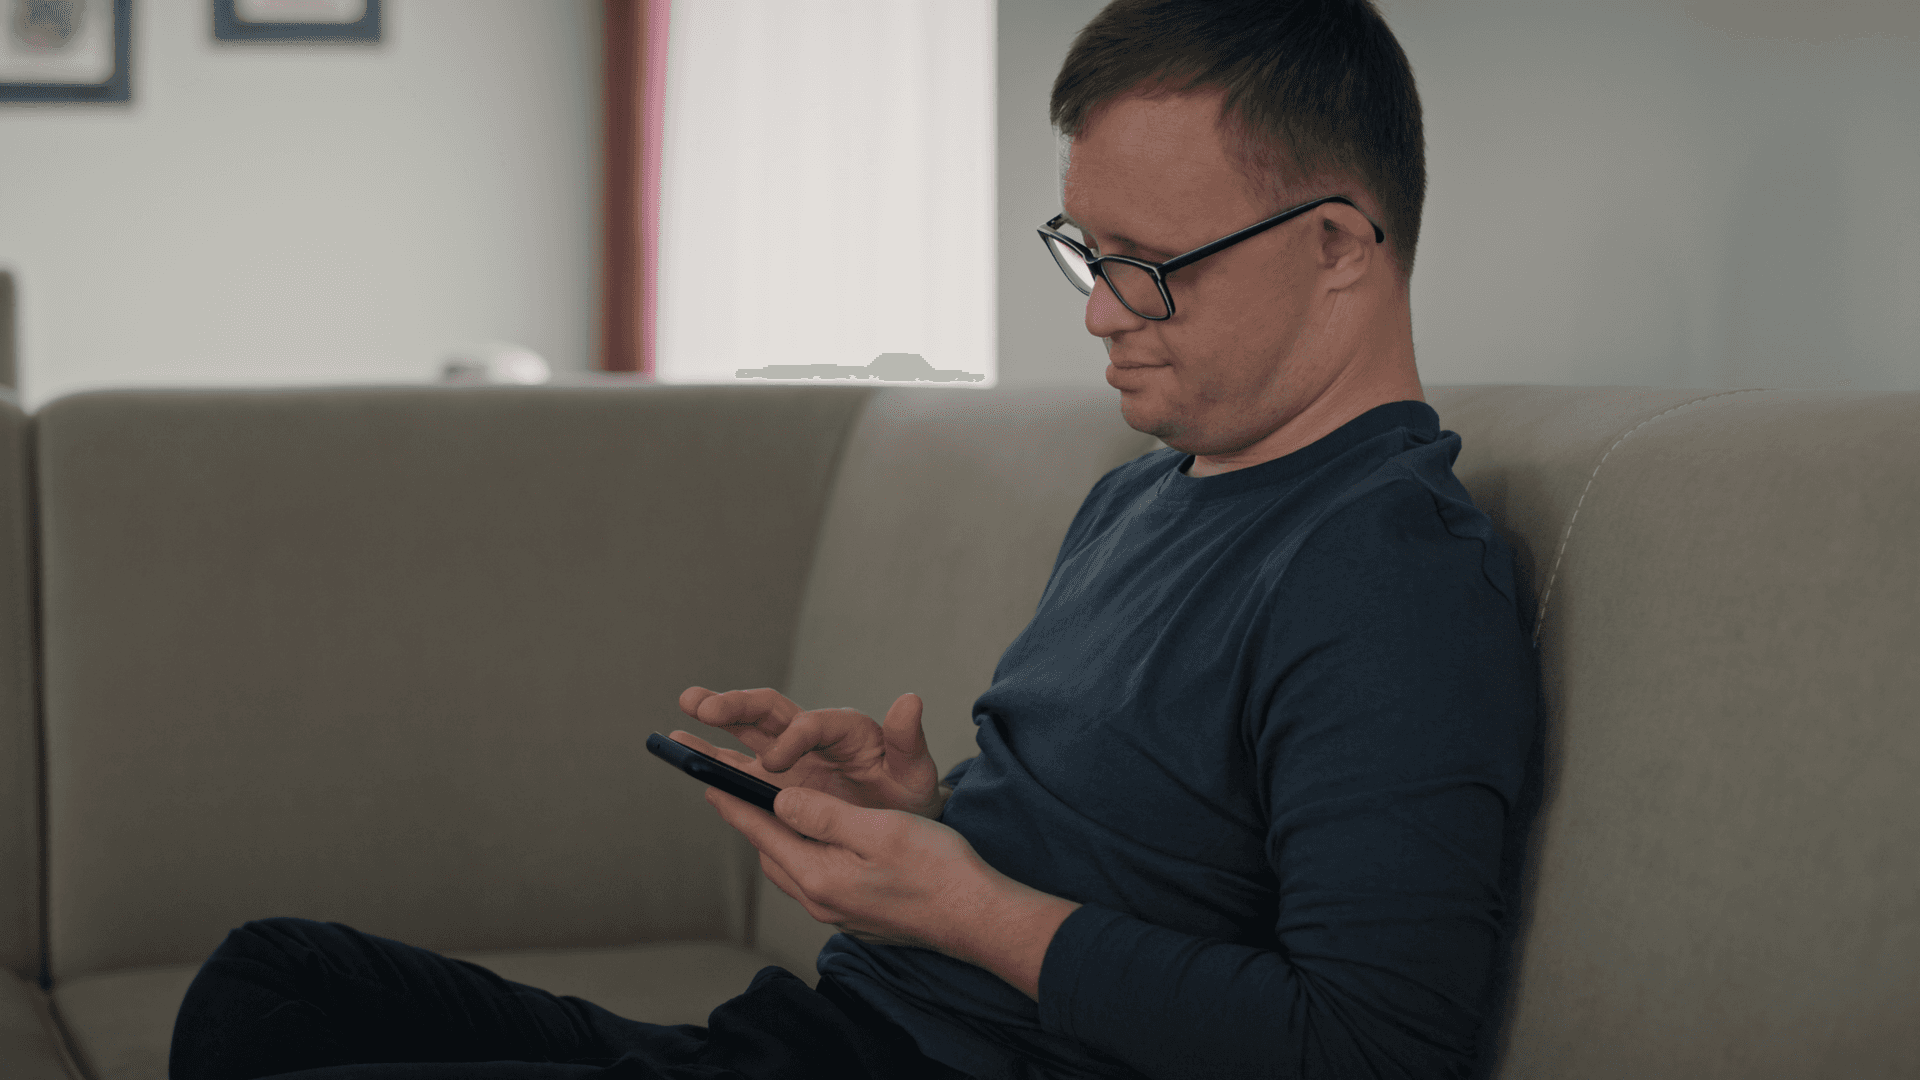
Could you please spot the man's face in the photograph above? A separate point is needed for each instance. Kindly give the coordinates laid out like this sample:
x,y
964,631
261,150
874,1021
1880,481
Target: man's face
x,y
1150,178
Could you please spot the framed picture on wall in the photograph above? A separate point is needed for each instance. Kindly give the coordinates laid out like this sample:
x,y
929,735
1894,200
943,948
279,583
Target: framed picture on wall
x,y
65,50
296,20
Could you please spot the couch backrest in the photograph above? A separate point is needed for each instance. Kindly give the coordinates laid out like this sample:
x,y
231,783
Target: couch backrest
x,y
939,536
253,705
389,656
19,736
1723,880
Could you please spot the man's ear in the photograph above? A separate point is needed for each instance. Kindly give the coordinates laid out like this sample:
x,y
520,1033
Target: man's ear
x,y
1345,249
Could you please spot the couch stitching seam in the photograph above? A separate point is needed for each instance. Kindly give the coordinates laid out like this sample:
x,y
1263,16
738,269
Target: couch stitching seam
x,y
1540,616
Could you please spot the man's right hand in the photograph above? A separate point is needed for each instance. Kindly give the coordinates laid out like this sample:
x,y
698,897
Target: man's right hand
x,y
838,751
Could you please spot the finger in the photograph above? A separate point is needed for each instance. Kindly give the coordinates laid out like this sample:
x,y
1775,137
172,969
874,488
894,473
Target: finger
x,y
786,884
690,700
838,735
759,827
796,855
790,744
907,756
815,816
773,835
804,734
753,716
732,757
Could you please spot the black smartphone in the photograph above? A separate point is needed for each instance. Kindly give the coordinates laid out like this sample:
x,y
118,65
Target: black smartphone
x,y
713,772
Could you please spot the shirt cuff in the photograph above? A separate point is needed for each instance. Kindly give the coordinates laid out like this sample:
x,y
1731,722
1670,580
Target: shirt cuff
x,y
1070,957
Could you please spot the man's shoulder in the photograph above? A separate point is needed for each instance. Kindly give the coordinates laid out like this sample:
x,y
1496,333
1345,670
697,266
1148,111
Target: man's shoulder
x,y
1410,516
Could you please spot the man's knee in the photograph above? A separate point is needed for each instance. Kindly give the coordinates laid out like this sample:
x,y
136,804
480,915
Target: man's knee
x,y
247,1011
277,940
259,966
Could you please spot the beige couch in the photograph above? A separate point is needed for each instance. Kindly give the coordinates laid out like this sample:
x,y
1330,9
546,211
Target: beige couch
x,y
388,657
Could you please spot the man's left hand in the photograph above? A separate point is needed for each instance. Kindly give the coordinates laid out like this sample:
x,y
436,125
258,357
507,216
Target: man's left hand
x,y
894,878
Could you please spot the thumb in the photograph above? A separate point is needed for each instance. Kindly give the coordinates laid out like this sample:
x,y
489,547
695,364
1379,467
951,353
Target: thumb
x,y
813,814
906,740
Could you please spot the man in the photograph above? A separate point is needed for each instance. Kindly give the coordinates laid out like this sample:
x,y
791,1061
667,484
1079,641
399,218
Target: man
x,y
1247,782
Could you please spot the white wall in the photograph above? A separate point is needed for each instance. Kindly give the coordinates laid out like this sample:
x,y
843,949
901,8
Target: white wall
x,y
1661,192
1042,338
269,213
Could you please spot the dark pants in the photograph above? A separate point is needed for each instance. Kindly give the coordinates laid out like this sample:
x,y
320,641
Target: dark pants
x,y
286,996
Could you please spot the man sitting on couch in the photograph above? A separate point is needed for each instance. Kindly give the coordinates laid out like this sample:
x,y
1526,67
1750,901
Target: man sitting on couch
x,y
1245,797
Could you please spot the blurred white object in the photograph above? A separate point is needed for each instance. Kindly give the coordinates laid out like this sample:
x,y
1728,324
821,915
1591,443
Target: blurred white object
x,y
303,11
495,362
884,153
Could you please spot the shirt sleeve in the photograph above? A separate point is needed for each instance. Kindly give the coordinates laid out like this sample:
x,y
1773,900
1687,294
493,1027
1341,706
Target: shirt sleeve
x,y
1390,728
953,777
959,770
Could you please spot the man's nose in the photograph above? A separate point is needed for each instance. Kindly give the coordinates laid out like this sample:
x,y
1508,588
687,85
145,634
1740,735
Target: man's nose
x,y
1106,315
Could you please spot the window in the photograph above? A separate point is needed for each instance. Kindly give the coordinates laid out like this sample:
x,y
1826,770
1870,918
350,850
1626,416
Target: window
x,y
827,192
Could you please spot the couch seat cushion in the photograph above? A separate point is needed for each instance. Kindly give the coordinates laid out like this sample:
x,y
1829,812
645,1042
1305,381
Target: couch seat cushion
x,y
121,1022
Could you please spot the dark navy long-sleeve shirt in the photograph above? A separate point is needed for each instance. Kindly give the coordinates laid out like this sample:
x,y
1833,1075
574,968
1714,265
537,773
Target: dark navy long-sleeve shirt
x,y
1269,728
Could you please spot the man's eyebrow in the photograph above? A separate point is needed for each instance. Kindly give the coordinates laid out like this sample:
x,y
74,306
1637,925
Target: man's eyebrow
x,y
1127,240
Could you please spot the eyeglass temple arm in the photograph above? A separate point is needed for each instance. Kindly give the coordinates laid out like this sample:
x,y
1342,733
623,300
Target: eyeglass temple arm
x,y
1284,216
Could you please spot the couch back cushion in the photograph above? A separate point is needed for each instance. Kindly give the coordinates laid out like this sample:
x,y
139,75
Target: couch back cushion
x,y
389,657
941,530
19,734
1722,879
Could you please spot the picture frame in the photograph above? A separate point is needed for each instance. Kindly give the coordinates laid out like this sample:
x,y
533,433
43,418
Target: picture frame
x,y
66,50
296,20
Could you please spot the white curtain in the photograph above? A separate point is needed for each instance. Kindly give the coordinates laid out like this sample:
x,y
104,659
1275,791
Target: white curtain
x,y
827,188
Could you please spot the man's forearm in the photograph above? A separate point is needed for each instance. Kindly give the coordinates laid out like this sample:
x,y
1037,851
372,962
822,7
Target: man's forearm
x,y
1011,936
1010,932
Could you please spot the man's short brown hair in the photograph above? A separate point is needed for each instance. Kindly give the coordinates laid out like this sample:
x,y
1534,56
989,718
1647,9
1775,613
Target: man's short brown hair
x,y
1314,89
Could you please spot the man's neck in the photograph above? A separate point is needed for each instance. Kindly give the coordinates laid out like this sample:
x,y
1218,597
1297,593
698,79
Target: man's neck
x,y
1326,415
1375,340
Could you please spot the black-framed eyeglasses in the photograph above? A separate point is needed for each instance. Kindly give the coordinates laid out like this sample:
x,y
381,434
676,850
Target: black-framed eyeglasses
x,y
1142,285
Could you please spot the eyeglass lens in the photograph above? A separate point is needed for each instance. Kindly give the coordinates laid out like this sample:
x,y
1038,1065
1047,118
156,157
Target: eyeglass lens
x,y
1134,285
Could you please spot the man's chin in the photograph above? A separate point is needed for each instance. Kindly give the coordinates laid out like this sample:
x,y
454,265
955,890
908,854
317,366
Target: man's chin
x,y
1143,418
